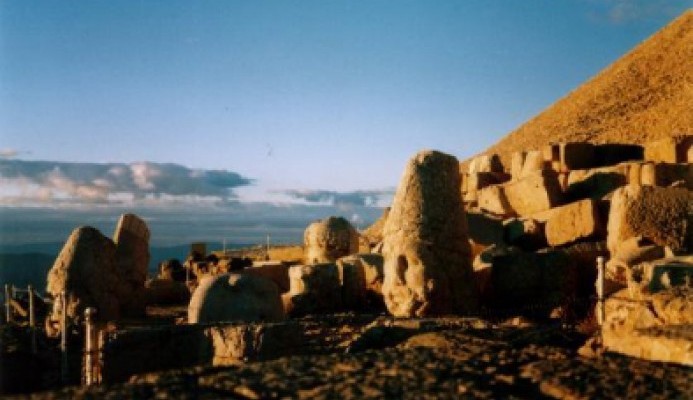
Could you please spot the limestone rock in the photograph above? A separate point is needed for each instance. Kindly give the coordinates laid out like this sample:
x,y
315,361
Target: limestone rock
x,y
534,163
631,252
479,180
86,270
329,239
366,294
374,233
662,215
131,239
516,164
426,249
314,289
234,344
574,221
492,200
234,297
596,183
657,275
663,174
657,327
533,193
670,150
352,279
485,163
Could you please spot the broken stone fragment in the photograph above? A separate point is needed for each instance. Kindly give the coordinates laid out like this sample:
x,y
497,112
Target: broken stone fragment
x,y
235,297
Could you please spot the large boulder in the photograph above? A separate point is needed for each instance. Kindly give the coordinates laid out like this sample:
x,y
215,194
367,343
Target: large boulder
x,y
654,326
596,183
87,272
631,252
131,238
573,222
329,239
374,233
534,163
664,216
653,317
425,247
235,297
533,193
361,277
314,288
485,163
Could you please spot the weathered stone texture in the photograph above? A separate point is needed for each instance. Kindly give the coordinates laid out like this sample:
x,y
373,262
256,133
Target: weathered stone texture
x,y
374,233
131,238
662,174
534,193
662,215
86,270
670,150
573,222
426,249
329,239
534,163
596,183
235,344
657,327
313,289
517,163
492,200
234,297
485,163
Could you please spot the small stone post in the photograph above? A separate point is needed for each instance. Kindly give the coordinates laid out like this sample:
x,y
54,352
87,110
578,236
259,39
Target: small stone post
x,y
32,318
90,347
267,257
63,337
8,303
600,292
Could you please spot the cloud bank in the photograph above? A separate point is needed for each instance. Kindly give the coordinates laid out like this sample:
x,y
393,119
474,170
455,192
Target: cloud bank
x,y
48,182
344,200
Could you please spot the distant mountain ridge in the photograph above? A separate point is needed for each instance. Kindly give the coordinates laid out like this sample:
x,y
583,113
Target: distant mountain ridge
x,y
645,95
25,264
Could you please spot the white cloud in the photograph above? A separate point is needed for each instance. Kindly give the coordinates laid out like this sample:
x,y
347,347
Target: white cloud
x,y
625,11
8,153
42,182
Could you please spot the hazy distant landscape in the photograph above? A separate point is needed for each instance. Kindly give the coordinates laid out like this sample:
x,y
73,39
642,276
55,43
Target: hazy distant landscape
x,y
30,238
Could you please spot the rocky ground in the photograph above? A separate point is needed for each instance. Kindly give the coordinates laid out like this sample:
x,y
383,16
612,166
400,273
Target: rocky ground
x,y
352,356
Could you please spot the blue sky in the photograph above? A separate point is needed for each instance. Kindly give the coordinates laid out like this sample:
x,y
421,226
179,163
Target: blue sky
x,y
280,101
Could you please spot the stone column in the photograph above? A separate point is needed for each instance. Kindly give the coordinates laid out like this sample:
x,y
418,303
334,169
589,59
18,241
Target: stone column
x,y
427,256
